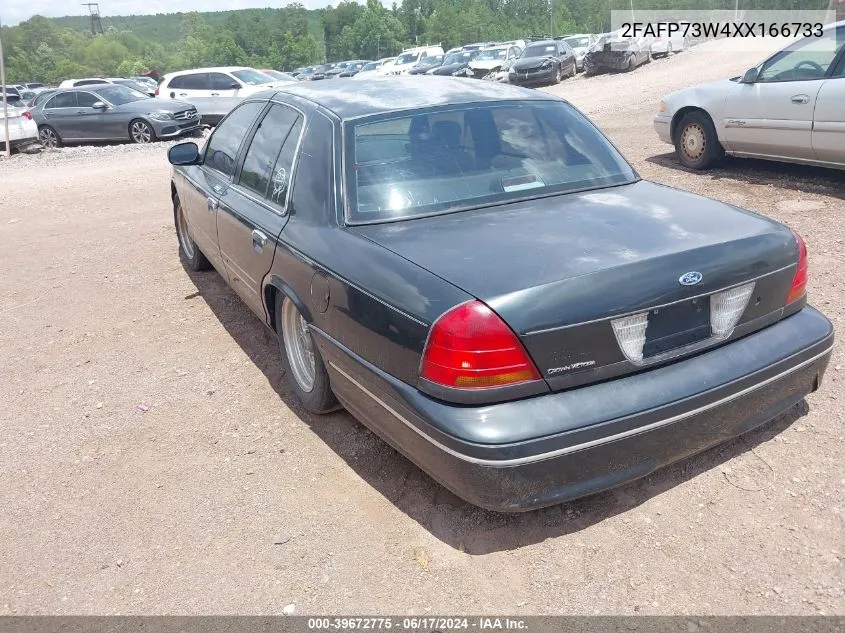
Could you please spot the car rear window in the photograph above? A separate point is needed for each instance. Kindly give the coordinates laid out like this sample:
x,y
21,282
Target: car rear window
x,y
453,158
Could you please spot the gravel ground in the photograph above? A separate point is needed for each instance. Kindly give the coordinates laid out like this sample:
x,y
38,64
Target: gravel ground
x,y
154,460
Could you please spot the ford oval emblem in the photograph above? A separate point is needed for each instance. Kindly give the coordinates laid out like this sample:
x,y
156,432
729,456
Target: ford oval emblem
x,y
691,278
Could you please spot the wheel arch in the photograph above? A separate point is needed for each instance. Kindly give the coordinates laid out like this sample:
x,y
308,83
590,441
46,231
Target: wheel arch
x,y
275,286
681,113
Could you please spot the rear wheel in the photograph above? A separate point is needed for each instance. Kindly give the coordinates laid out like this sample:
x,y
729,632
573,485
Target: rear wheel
x,y
48,137
301,359
188,250
696,142
141,132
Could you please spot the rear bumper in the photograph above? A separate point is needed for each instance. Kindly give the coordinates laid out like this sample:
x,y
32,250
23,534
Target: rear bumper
x,y
595,437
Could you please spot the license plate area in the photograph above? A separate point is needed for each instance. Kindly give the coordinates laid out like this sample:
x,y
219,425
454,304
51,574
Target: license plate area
x,y
677,325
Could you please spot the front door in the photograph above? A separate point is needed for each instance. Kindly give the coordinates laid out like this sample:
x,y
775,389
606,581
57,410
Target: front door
x,y
774,115
253,215
210,183
92,122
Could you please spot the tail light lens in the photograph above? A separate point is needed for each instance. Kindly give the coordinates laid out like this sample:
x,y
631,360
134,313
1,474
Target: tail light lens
x,y
470,347
156,92
799,282
27,115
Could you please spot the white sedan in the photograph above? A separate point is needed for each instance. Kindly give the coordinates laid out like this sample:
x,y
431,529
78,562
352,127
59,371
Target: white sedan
x,y
22,129
789,108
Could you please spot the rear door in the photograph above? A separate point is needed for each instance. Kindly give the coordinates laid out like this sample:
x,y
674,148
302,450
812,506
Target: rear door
x,y
829,117
60,113
774,115
211,182
254,212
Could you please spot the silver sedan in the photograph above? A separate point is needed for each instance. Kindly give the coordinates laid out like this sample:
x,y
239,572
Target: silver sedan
x,y
110,112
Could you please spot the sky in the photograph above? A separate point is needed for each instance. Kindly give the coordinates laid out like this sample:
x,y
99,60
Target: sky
x,y
14,11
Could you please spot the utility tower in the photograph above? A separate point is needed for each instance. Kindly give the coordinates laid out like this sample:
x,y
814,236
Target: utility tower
x,y
94,10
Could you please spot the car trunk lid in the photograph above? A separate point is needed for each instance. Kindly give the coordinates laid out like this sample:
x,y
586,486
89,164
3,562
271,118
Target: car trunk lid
x,y
558,270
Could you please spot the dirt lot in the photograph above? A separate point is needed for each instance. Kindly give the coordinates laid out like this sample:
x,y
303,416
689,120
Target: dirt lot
x,y
223,497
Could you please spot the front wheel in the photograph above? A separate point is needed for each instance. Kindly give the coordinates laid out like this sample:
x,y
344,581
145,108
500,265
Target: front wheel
x,y
302,361
696,142
558,75
188,249
141,132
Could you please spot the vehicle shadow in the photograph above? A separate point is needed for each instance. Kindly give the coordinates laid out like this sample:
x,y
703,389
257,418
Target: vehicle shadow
x,y
450,519
803,178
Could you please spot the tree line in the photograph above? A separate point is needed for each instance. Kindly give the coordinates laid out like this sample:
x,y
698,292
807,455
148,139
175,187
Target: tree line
x,y
49,50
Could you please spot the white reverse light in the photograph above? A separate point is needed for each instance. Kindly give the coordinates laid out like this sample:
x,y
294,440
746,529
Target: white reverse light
x,y
630,334
726,308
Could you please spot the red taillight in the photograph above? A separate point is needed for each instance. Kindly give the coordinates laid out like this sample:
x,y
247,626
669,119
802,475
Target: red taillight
x,y
799,282
156,92
27,115
470,347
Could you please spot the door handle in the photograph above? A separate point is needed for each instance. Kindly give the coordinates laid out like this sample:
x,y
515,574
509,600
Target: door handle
x,y
215,94
211,204
259,240
800,99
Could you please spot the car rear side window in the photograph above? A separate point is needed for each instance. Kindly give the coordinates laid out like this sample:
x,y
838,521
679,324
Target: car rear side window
x,y
62,100
176,82
261,157
280,183
453,158
195,81
222,150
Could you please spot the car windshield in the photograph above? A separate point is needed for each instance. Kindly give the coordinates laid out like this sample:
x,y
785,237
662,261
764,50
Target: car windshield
x,y
275,74
539,51
453,158
252,77
370,66
406,58
577,42
129,83
458,58
118,95
492,53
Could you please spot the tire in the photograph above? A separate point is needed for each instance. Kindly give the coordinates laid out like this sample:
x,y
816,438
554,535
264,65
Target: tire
x,y
301,359
558,75
189,252
632,63
141,132
48,137
669,49
696,143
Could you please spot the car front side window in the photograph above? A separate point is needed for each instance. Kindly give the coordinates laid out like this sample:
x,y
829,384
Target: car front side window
x,y
807,59
222,150
86,99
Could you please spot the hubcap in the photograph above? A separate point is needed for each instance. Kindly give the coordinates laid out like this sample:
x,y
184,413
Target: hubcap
x,y
299,346
141,132
693,141
185,240
48,138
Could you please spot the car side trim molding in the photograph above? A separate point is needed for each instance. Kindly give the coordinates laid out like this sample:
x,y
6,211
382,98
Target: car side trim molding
x,y
577,447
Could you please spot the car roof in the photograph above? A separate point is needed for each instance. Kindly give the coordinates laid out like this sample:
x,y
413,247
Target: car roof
x,y
382,95
210,69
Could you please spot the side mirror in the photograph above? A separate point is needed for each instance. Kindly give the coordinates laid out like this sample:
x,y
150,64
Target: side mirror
x,y
99,105
750,76
235,86
184,154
